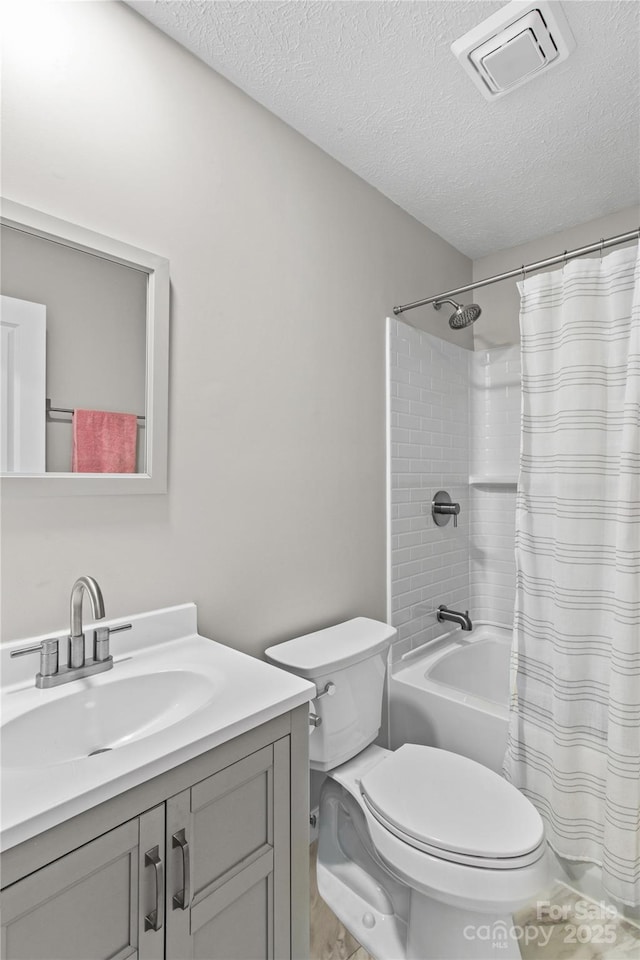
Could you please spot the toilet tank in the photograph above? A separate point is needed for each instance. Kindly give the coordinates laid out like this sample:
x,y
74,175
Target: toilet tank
x,y
349,660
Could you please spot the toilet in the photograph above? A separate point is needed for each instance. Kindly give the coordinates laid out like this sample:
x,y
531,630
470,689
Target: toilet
x,y
422,854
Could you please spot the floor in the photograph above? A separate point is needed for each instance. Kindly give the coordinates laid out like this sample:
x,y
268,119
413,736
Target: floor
x,y
561,925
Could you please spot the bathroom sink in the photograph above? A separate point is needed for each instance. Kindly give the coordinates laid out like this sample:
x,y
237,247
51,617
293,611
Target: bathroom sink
x,y
170,696
92,721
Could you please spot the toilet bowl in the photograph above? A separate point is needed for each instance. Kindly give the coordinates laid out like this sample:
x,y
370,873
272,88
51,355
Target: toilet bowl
x,y
423,854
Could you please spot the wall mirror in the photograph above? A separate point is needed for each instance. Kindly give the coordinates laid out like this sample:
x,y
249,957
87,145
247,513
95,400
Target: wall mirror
x,y
84,325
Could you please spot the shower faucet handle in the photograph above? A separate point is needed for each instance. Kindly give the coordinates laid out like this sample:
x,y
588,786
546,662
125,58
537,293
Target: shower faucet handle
x,y
443,508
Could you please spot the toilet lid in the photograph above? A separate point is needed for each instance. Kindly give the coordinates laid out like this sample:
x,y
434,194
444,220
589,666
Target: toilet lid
x,y
334,648
451,803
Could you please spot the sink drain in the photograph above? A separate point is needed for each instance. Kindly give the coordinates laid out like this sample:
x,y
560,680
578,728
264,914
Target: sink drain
x,y
99,750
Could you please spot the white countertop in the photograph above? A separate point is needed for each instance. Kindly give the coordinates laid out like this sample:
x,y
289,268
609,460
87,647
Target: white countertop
x,y
236,693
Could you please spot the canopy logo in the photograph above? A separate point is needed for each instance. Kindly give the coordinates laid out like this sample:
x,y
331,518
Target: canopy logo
x,y
500,935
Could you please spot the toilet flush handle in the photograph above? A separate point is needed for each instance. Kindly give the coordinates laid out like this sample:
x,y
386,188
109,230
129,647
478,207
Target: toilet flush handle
x,y
328,691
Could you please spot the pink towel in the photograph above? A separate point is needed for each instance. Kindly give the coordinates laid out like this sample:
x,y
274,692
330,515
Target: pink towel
x,y
104,442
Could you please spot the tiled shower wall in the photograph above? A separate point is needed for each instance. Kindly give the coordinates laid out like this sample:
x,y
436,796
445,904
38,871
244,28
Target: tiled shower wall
x,y
429,437
492,569
495,447
454,415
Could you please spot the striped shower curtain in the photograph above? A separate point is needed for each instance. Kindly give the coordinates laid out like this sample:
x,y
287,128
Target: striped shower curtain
x,y
574,734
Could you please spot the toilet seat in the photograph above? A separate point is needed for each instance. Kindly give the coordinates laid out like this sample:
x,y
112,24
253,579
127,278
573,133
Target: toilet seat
x,y
453,808
468,886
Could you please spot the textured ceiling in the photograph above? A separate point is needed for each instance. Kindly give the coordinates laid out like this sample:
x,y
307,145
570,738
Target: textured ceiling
x,y
376,86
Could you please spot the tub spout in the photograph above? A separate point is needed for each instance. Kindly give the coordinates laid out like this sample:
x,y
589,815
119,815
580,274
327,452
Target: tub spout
x,y
454,616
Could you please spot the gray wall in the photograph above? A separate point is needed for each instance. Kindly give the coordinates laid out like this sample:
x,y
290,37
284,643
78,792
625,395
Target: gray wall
x,y
283,267
96,322
500,302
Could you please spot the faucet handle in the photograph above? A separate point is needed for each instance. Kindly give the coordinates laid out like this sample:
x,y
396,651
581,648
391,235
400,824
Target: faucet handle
x,y
101,640
122,626
48,651
443,508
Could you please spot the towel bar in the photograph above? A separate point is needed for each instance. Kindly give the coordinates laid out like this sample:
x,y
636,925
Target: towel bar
x,y
51,409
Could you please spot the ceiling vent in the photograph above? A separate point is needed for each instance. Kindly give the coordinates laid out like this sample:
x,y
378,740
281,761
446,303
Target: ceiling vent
x,y
514,46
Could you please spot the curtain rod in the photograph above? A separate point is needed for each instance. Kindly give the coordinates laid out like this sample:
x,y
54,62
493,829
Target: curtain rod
x,y
526,268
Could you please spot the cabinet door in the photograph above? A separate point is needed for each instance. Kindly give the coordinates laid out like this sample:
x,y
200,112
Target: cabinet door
x,y
84,906
228,867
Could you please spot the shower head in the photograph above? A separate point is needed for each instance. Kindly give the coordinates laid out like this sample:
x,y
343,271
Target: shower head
x,y
462,316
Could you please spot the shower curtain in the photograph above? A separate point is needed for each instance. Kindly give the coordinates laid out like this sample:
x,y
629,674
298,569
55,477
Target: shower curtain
x,y
574,733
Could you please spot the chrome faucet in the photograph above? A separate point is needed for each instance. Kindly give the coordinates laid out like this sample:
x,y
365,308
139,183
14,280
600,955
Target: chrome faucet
x,y
51,674
454,616
76,634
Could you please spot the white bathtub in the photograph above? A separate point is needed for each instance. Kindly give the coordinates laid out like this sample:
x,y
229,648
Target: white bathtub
x,y
454,694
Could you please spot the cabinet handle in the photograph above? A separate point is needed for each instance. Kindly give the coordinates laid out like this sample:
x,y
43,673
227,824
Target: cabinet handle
x,y
155,919
183,899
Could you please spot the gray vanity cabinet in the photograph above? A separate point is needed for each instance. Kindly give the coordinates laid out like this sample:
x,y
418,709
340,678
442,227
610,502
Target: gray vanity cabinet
x,y
218,866
228,862
89,896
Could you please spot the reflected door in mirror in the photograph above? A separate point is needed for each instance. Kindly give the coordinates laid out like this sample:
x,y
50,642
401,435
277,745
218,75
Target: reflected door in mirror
x,y
22,385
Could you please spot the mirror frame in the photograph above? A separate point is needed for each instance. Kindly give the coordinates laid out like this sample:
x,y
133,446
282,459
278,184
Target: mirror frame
x,y
154,479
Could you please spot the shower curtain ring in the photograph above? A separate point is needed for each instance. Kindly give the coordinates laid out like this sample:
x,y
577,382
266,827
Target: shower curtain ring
x,y
601,247
564,260
524,274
